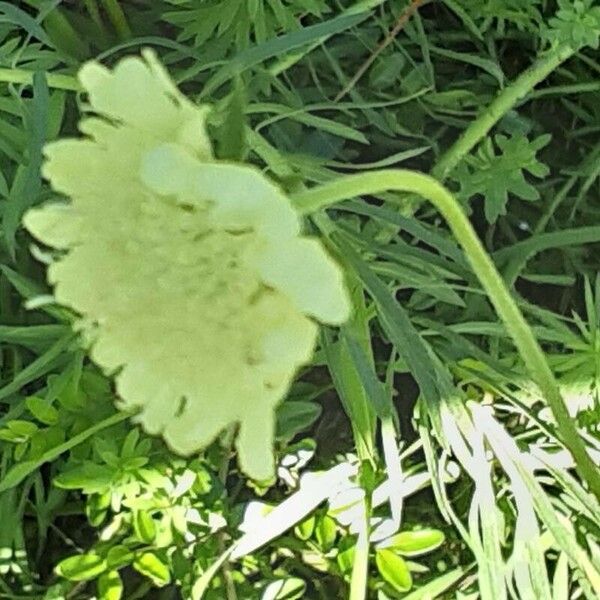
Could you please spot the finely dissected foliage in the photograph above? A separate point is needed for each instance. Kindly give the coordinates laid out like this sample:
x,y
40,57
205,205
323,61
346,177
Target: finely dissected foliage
x,y
494,176
577,23
239,21
190,276
418,451
524,13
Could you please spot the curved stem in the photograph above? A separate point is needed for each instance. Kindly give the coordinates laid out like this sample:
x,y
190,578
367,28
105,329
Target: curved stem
x,y
499,295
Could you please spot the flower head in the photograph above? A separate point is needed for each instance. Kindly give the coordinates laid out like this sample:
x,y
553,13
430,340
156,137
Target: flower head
x,y
191,277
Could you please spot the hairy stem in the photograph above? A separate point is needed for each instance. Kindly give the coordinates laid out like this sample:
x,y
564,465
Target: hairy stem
x,y
505,101
497,291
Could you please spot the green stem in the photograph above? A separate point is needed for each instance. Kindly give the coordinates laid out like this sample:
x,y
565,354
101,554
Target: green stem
x,y
417,183
505,101
55,80
117,18
360,564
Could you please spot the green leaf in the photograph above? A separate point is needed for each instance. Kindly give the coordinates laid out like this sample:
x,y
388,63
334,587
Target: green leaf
x,y
523,13
283,44
231,143
144,527
119,556
305,529
21,470
387,71
296,416
110,586
32,336
6,435
40,366
486,64
496,175
414,543
368,378
13,14
41,410
394,570
131,440
30,289
285,589
346,554
576,23
89,477
435,588
326,532
231,22
82,567
64,36
351,393
153,567
402,333
28,182
22,429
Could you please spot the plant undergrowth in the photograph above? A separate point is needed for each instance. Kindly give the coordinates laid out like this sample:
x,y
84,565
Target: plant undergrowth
x,y
444,442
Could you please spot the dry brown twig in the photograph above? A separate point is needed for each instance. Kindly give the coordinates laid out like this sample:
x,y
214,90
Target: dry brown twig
x,y
402,20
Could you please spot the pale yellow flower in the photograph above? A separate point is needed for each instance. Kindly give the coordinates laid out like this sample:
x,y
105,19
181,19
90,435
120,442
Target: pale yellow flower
x,y
193,282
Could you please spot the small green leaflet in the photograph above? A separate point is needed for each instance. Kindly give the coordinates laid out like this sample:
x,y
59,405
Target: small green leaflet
x,y
495,175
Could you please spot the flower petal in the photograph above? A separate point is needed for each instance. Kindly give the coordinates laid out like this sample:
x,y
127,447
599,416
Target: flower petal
x,y
302,269
138,92
242,197
56,225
